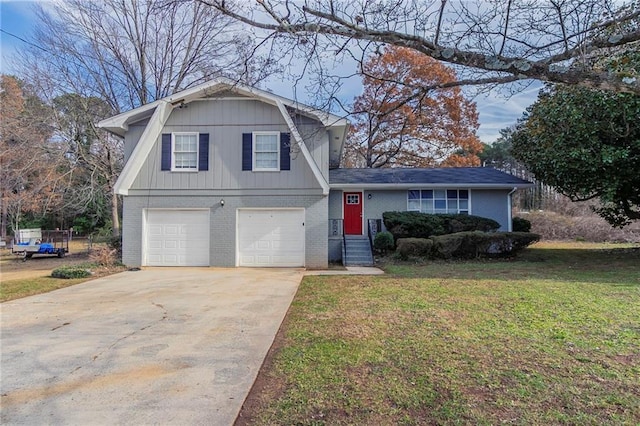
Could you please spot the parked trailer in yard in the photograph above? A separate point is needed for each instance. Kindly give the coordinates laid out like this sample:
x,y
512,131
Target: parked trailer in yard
x,y
28,242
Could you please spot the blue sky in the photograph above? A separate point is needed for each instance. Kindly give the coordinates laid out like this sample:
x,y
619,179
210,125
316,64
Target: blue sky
x,y
16,17
496,111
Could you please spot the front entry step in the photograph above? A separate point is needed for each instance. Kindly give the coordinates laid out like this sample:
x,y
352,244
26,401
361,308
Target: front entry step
x,y
357,251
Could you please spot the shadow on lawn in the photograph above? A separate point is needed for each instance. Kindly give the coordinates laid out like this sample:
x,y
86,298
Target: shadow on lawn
x,y
618,266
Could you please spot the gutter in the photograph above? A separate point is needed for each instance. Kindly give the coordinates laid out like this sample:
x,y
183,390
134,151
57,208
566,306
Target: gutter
x,y
509,206
423,185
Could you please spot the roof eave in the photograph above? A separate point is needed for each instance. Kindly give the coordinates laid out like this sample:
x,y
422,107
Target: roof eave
x,y
119,124
389,186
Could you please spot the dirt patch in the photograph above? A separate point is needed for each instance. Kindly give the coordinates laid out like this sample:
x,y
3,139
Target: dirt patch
x,y
14,268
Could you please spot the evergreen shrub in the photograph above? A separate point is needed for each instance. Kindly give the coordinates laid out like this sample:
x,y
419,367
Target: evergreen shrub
x,y
69,272
383,242
423,225
418,247
520,224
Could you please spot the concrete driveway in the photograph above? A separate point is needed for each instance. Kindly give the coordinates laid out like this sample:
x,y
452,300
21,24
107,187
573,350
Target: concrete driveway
x,y
158,346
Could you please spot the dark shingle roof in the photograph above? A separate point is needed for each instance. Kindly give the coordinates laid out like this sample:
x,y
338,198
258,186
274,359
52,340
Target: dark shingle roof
x,y
458,176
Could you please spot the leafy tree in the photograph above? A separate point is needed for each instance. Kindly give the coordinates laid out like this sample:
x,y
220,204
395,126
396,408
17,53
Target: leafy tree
x,y
586,144
397,124
30,174
495,41
498,154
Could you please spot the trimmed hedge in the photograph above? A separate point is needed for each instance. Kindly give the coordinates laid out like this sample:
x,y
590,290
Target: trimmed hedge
x,y
420,247
466,245
520,224
383,241
69,272
423,225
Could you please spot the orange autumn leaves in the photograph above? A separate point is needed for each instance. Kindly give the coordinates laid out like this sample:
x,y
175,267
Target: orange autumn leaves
x,y
403,119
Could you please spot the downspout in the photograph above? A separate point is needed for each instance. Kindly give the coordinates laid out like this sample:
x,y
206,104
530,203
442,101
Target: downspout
x,y
510,227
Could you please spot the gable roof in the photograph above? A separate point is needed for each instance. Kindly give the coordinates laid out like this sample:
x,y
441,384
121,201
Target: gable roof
x,y
159,111
405,178
119,124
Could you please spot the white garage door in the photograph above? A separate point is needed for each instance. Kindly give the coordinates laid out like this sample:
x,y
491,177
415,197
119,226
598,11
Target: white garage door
x,y
271,237
177,238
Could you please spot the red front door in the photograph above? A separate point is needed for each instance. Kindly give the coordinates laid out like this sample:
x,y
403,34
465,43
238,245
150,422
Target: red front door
x,y
353,213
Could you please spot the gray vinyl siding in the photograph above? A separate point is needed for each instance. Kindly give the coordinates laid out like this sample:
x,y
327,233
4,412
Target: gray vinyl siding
x,y
335,212
493,204
132,138
223,224
335,204
225,120
383,201
317,141
490,203
335,249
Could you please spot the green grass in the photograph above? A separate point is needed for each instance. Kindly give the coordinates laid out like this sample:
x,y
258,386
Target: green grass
x,y
23,287
15,289
550,338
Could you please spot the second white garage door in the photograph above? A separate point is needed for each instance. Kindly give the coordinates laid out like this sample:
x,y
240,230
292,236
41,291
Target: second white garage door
x,y
271,237
176,237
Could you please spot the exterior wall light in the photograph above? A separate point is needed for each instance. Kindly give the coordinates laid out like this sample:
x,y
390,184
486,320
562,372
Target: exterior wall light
x,y
222,202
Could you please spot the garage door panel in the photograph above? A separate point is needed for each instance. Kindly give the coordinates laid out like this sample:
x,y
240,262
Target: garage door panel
x,y
271,237
177,237
154,244
195,246
154,229
262,245
171,230
281,260
170,244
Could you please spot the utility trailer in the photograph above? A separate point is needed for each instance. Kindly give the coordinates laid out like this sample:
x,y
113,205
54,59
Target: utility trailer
x,y
28,242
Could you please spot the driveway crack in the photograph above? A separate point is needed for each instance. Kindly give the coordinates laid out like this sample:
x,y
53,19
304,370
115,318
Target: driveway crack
x,y
165,315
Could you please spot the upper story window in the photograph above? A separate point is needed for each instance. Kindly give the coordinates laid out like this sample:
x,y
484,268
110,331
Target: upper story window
x,y
185,151
266,151
438,200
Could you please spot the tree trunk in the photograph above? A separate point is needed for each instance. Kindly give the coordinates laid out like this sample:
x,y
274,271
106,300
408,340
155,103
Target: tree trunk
x,y
115,219
5,216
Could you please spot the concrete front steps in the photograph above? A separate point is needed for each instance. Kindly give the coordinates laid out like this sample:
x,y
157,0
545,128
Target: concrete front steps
x,y
357,251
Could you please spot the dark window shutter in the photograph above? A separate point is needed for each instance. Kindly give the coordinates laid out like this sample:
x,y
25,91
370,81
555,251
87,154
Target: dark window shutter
x,y
203,152
285,151
165,164
247,151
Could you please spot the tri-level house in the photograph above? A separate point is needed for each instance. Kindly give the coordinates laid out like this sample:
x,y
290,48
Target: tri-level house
x,y
224,174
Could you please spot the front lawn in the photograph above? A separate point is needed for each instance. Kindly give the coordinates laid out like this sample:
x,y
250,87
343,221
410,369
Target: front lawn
x,y
550,338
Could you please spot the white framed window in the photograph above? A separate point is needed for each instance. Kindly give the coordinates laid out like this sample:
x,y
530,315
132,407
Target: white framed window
x,y
266,151
438,201
353,198
184,151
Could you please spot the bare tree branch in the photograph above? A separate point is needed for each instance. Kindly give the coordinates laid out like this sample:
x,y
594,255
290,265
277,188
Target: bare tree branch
x,y
551,35
439,25
506,29
123,54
